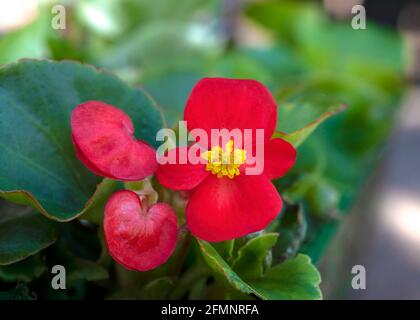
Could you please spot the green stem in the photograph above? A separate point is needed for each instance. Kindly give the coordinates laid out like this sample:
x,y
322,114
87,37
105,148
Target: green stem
x,y
182,253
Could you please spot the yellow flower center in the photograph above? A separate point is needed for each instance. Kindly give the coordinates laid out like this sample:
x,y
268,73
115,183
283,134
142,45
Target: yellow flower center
x,y
224,162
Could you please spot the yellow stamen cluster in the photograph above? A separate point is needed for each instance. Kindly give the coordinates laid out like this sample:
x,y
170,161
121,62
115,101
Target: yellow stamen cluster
x,y
224,162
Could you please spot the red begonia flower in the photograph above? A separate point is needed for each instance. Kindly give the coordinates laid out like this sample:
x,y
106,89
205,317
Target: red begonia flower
x,y
138,237
225,202
104,142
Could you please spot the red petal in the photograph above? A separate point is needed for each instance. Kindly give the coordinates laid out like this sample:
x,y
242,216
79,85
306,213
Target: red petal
x,y
139,239
217,103
224,209
178,176
279,157
104,142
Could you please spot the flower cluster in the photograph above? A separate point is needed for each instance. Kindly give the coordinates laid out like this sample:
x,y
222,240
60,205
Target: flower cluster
x,y
224,201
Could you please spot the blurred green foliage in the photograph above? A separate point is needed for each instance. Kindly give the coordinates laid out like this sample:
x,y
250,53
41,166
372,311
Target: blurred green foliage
x,y
313,66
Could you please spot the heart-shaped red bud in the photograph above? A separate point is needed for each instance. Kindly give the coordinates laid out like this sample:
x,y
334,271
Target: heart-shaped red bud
x,y
139,238
104,142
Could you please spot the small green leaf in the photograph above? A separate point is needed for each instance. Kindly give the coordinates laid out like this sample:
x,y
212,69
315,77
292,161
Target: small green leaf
x,y
24,271
225,248
296,278
221,269
298,114
36,99
24,234
249,263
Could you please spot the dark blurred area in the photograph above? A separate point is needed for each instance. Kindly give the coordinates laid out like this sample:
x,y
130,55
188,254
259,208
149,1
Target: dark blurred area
x,y
388,12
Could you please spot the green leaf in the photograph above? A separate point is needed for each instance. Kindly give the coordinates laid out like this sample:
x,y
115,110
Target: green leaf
x,y
23,234
225,248
296,278
251,259
24,271
221,269
21,292
36,99
307,113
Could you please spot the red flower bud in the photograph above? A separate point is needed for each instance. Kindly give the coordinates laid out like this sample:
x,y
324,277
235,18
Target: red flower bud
x,y
104,142
138,237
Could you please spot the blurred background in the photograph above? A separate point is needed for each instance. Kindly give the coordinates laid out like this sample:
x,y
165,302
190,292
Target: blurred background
x,y
357,178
